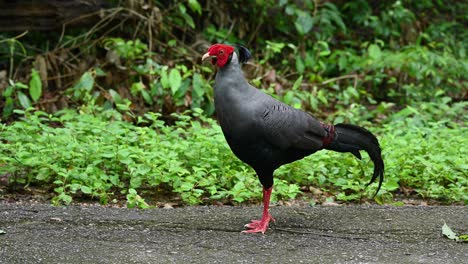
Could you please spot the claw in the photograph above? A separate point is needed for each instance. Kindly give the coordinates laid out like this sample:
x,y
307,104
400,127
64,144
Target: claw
x,y
257,226
256,230
253,224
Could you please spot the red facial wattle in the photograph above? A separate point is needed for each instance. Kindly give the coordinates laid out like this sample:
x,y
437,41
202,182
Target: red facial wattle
x,y
219,54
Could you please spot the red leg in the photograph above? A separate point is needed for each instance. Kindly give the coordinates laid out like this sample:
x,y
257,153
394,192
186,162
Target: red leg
x,y
256,226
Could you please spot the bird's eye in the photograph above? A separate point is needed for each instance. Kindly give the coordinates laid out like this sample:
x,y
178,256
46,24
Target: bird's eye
x,y
221,52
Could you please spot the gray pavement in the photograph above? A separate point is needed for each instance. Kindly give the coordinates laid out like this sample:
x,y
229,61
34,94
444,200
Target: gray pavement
x,y
335,234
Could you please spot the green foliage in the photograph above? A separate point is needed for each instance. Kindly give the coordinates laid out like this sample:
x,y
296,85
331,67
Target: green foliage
x,y
126,49
436,168
94,153
18,94
413,74
94,156
83,88
35,86
169,88
135,200
9,50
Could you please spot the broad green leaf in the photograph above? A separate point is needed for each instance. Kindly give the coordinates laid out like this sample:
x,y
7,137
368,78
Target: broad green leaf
x,y
391,184
300,66
447,232
86,189
122,107
35,86
146,97
197,86
304,22
313,102
136,88
164,79
189,20
297,83
309,59
195,6
297,104
324,48
86,82
186,186
289,10
342,62
135,182
115,96
65,198
8,108
182,8
288,97
8,91
374,52
24,100
180,93
100,72
321,95
21,85
175,80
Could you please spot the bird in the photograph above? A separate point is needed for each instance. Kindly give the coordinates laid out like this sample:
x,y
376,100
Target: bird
x,y
266,133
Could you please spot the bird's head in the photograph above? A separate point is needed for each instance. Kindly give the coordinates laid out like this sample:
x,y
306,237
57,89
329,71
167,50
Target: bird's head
x,y
220,54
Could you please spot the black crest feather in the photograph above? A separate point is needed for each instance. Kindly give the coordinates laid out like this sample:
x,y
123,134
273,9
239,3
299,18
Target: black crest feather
x,y
244,53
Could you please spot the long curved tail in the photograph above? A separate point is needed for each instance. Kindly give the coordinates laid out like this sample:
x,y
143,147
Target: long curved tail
x,y
352,138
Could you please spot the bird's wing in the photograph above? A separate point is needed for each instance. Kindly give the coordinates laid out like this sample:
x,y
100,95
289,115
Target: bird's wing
x,y
285,127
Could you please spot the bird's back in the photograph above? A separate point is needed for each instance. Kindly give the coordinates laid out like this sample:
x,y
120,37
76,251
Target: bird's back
x,y
250,119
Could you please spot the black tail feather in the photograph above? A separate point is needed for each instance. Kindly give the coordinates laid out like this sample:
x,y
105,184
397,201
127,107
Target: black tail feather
x,y
352,138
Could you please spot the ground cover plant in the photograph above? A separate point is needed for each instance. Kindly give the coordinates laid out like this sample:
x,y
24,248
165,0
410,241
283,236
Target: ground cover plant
x,y
94,153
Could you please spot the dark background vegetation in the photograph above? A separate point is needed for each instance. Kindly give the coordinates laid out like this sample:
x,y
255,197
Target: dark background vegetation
x,y
121,105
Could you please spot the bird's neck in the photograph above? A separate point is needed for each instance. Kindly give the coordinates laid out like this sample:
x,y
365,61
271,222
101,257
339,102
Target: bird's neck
x,y
230,79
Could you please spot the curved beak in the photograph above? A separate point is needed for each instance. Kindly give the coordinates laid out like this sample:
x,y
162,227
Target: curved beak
x,y
206,56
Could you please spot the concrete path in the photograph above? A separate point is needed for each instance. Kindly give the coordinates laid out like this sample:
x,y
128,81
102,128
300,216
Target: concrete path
x,y
339,234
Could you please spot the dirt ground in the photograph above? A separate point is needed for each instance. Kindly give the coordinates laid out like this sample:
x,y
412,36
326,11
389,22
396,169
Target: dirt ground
x,y
320,234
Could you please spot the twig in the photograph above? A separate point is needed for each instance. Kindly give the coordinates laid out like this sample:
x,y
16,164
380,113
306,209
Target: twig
x,y
12,51
316,3
101,24
15,37
255,32
230,29
354,76
150,43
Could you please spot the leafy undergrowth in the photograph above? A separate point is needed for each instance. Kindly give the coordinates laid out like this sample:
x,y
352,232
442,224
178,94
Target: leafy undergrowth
x,y
96,155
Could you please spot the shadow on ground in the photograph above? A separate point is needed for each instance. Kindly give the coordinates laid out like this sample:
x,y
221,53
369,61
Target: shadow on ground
x,y
343,234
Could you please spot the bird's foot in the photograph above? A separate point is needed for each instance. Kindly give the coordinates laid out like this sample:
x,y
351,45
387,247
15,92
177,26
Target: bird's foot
x,y
257,226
